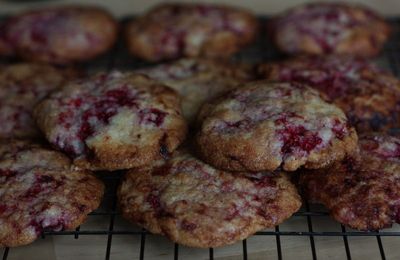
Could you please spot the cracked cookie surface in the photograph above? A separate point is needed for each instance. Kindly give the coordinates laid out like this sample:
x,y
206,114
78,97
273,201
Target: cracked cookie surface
x,y
197,205
362,192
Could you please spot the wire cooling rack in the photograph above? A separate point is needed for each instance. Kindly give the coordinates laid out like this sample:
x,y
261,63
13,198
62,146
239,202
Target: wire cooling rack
x,y
106,227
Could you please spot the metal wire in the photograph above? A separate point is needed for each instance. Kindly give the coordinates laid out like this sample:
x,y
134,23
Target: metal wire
x,y
310,229
244,243
176,251
278,243
346,243
262,50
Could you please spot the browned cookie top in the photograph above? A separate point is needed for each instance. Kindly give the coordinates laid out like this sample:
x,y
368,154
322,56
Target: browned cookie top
x,y
196,205
322,28
22,86
369,96
263,125
40,191
176,30
113,120
61,34
363,193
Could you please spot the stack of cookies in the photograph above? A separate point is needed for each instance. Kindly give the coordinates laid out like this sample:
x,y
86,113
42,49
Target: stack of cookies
x,y
210,147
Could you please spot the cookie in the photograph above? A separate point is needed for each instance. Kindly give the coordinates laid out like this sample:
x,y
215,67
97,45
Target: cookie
x,y
22,86
324,28
170,31
264,125
196,205
369,96
61,34
113,121
39,191
361,192
198,80
5,47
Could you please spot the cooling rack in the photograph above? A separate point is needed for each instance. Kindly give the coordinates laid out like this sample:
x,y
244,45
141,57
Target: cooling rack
x,y
107,226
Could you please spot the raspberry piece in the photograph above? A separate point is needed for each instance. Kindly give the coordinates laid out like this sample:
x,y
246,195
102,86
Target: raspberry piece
x,y
297,137
340,129
188,226
152,116
154,201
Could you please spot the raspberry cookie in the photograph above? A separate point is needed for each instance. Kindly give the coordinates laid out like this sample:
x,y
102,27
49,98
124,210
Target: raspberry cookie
x,y
363,193
22,86
370,97
196,205
171,31
113,121
40,192
5,47
321,28
61,34
264,125
198,80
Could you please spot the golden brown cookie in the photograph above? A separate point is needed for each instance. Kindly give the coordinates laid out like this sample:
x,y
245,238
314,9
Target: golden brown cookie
x,y
323,28
39,191
199,80
264,125
113,121
361,192
61,34
5,47
369,96
175,30
22,86
196,205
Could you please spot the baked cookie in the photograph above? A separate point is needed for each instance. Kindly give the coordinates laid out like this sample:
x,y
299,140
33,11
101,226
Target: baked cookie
x,y
39,191
175,30
362,192
322,28
196,205
198,80
5,47
113,121
22,86
369,96
264,125
61,34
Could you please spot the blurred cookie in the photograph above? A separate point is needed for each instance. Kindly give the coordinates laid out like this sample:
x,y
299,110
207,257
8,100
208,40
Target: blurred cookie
x,y
369,96
40,192
196,205
113,121
61,34
264,125
362,192
22,86
5,47
198,80
322,28
171,31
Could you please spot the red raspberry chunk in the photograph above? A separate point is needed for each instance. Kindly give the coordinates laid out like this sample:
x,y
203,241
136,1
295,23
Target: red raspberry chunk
x,y
297,137
188,226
